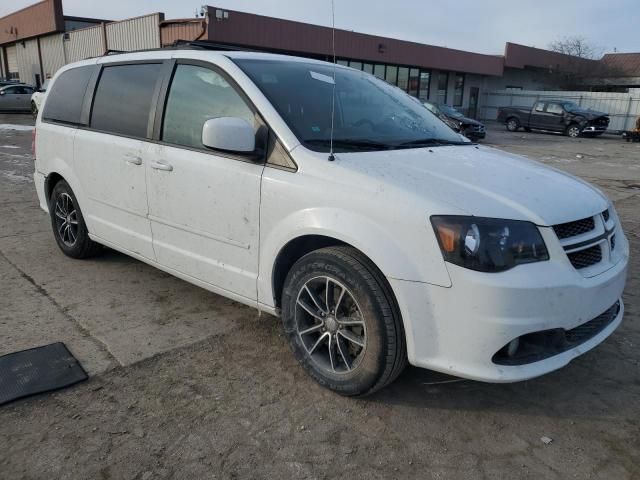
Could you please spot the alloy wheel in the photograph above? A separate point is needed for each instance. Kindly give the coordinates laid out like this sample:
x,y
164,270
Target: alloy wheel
x,y
573,132
330,325
66,219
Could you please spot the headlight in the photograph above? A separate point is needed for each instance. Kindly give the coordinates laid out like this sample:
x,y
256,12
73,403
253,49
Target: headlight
x,y
488,244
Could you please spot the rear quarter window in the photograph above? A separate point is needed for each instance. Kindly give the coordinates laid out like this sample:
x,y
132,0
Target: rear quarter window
x,y
66,96
123,98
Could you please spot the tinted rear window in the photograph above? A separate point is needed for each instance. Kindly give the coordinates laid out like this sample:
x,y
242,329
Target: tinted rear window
x,y
65,99
123,99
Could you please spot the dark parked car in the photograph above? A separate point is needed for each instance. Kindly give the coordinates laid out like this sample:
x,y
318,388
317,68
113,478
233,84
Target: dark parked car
x,y
468,127
557,116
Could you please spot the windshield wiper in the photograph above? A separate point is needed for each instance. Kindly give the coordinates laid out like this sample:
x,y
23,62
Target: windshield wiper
x,y
430,142
351,143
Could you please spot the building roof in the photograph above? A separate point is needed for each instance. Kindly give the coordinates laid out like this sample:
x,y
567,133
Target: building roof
x,y
287,36
623,64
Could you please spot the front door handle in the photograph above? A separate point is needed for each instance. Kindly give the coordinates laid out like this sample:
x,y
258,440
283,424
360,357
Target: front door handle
x,y
133,159
159,165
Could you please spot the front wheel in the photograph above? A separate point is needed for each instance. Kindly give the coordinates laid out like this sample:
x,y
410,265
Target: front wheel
x,y
572,131
513,124
341,321
68,225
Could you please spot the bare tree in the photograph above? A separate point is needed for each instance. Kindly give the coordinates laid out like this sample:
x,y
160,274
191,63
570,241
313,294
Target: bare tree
x,y
576,47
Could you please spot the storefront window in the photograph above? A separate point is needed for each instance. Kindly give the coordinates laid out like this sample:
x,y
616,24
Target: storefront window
x,y
356,65
403,78
378,71
392,74
423,92
458,92
367,67
414,82
443,82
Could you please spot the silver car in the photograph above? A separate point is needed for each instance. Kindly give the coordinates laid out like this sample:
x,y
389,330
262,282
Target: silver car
x,y
16,97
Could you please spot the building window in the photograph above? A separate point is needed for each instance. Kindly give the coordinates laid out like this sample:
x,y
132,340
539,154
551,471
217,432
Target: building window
x,y
458,92
414,82
356,65
392,74
403,78
367,67
423,91
443,82
378,71
344,63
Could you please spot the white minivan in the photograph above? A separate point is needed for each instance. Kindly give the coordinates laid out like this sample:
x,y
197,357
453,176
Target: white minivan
x,y
321,194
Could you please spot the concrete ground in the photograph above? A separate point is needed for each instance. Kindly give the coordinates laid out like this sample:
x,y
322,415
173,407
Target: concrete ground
x,y
187,384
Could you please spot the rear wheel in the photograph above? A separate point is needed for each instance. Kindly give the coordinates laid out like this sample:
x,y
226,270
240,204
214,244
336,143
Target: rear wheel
x,y
341,321
68,225
573,131
513,124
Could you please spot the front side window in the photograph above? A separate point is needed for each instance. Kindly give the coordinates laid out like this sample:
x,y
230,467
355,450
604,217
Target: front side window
x,y
369,114
554,108
540,107
196,95
123,98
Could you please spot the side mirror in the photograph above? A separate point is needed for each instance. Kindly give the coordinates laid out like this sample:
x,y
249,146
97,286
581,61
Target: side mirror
x,y
230,134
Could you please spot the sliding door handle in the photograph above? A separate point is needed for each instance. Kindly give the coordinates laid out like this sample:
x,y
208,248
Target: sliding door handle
x,y
159,165
133,159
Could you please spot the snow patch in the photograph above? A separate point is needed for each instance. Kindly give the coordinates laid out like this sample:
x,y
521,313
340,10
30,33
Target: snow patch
x,y
17,128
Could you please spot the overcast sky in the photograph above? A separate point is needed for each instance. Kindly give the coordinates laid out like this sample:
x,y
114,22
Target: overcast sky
x,y
476,25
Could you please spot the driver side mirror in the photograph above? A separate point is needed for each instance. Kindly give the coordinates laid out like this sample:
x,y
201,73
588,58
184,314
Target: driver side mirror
x,y
230,134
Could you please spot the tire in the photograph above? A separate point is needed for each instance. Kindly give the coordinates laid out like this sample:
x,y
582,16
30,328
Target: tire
x,y
527,129
354,358
513,124
572,131
34,110
67,222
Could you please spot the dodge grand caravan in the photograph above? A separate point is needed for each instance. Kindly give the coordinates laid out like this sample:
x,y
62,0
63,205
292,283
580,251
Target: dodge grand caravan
x,y
324,196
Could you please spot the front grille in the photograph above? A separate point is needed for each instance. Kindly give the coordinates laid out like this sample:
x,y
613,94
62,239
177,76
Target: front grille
x,y
537,346
605,215
573,229
585,258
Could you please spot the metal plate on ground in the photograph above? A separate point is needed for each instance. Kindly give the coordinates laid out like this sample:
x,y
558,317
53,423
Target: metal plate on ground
x,y
38,370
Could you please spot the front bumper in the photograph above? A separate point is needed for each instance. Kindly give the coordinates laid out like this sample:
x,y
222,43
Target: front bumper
x,y
459,330
594,129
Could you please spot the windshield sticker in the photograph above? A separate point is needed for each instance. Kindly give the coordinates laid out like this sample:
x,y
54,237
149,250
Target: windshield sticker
x,y
322,77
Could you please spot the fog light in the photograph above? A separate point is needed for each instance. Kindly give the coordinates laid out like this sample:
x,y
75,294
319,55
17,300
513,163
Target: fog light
x,y
512,348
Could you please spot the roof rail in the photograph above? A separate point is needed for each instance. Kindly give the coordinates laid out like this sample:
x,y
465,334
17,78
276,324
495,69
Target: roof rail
x,y
205,45
113,52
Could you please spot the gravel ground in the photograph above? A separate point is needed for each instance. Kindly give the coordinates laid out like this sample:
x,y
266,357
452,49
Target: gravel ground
x,y
186,384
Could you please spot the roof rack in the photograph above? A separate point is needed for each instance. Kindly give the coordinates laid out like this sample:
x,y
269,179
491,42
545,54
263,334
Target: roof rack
x,y
205,45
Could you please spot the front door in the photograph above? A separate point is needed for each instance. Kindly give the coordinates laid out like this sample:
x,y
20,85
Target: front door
x,y
204,205
110,156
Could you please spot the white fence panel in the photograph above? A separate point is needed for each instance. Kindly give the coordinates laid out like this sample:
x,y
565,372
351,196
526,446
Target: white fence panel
x,y
623,108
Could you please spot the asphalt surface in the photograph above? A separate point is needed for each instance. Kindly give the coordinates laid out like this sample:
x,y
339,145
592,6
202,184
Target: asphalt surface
x,y
187,384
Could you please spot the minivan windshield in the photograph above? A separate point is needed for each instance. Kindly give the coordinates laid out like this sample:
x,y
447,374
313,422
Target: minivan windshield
x,y
369,113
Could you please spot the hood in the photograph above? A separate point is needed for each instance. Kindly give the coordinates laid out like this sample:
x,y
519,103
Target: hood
x,y
481,181
588,113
